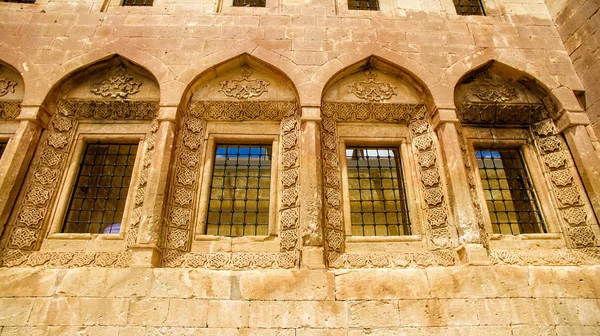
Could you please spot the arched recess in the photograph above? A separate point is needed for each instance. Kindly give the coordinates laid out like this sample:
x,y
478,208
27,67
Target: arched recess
x,y
242,100
11,95
112,101
377,103
502,107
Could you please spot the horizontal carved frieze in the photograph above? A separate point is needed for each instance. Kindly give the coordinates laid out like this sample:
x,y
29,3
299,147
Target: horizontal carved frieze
x,y
109,109
242,110
474,113
371,112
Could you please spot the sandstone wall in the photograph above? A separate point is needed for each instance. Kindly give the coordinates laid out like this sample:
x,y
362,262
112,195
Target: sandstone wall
x,y
499,300
578,23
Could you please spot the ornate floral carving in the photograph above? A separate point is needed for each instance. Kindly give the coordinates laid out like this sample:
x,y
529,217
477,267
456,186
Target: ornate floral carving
x,y
289,177
188,158
6,85
195,125
582,236
180,216
561,178
186,176
437,217
423,142
109,109
440,238
427,159
177,238
51,158
192,140
331,158
544,128
486,113
62,124
538,257
334,218
244,88
38,196
290,159
289,218
46,175
555,160
22,238
288,239
289,197
119,85
575,216
430,177
58,140
372,89
490,88
9,109
568,196
289,140
419,126
31,216
370,112
182,196
550,144
332,178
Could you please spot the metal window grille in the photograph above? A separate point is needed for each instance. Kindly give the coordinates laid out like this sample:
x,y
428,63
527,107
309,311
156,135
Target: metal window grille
x,y
469,7
100,193
378,204
363,4
508,192
249,3
137,2
240,191
19,1
2,148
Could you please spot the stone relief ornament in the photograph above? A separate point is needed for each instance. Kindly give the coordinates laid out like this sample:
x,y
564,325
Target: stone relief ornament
x,y
119,85
372,89
6,85
244,88
491,88
9,109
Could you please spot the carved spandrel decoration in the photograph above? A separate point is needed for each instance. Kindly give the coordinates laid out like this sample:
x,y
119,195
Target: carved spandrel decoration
x,y
9,110
372,89
491,88
6,85
245,87
119,85
178,232
29,219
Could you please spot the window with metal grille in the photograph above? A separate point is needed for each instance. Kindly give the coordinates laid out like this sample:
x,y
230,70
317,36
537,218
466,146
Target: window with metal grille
x,y
98,200
137,2
363,4
469,7
249,3
240,191
508,192
2,148
19,1
378,205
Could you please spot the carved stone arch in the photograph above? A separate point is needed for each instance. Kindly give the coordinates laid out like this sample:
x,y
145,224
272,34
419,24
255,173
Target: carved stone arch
x,y
375,90
11,91
111,91
241,89
495,96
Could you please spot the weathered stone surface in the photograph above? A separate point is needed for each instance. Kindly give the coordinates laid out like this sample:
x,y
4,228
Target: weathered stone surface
x,y
15,311
383,284
373,314
561,282
79,311
228,314
27,282
286,285
190,283
290,314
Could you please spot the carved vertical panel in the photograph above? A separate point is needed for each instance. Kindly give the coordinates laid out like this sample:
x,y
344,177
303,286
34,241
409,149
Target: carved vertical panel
x,y
29,220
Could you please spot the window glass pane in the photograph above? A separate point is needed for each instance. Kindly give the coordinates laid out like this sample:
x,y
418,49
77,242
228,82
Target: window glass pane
x,y
249,3
240,191
19,1
363,4
378,204
98,200
2,148
469,7
508,191
137,2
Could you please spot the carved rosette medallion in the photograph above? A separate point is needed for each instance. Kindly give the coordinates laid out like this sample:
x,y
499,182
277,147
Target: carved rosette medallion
x,y
244,88
372,89
119,85
38,195
6,85
181,207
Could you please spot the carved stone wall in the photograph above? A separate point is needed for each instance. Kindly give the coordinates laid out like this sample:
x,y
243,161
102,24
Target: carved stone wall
x,y
182,210
29,221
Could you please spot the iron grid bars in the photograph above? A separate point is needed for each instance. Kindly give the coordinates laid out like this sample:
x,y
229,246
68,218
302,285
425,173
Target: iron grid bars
x,y
137,2
469,7
19,1
508,192
378,205
249,3
98,200
240,191
2,148
363,4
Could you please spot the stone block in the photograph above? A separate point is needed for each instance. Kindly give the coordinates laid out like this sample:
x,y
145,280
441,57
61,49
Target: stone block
x,y
187,313
185,283
286,285
228,314
382,284
106,282
148,312
533,330
576,331
24,331
561,282
373,314
15,311
216,332
265,332
297,314
27,281
479,282
79,311
320,332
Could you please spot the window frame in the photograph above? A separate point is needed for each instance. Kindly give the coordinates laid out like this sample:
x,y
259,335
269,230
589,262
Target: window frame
x,y
7,131
388,135
93,133
228,132
515,138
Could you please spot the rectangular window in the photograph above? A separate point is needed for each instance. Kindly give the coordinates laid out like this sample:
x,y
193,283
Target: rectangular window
x,y
249,3
363,4
508,192
240,191
378,205
98,200
137,2
19,1
469,7
2,148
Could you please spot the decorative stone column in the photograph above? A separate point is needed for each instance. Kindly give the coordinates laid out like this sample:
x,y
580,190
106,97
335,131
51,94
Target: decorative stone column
x,y
17,156
471,251
310,194
146,251
587,158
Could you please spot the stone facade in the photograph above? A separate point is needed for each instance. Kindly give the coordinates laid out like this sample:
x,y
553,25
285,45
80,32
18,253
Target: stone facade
x,y
308,78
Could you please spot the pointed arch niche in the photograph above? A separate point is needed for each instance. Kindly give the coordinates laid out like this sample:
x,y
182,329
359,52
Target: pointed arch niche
x,y
501,109
11,95
112,102
376,104
241,101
